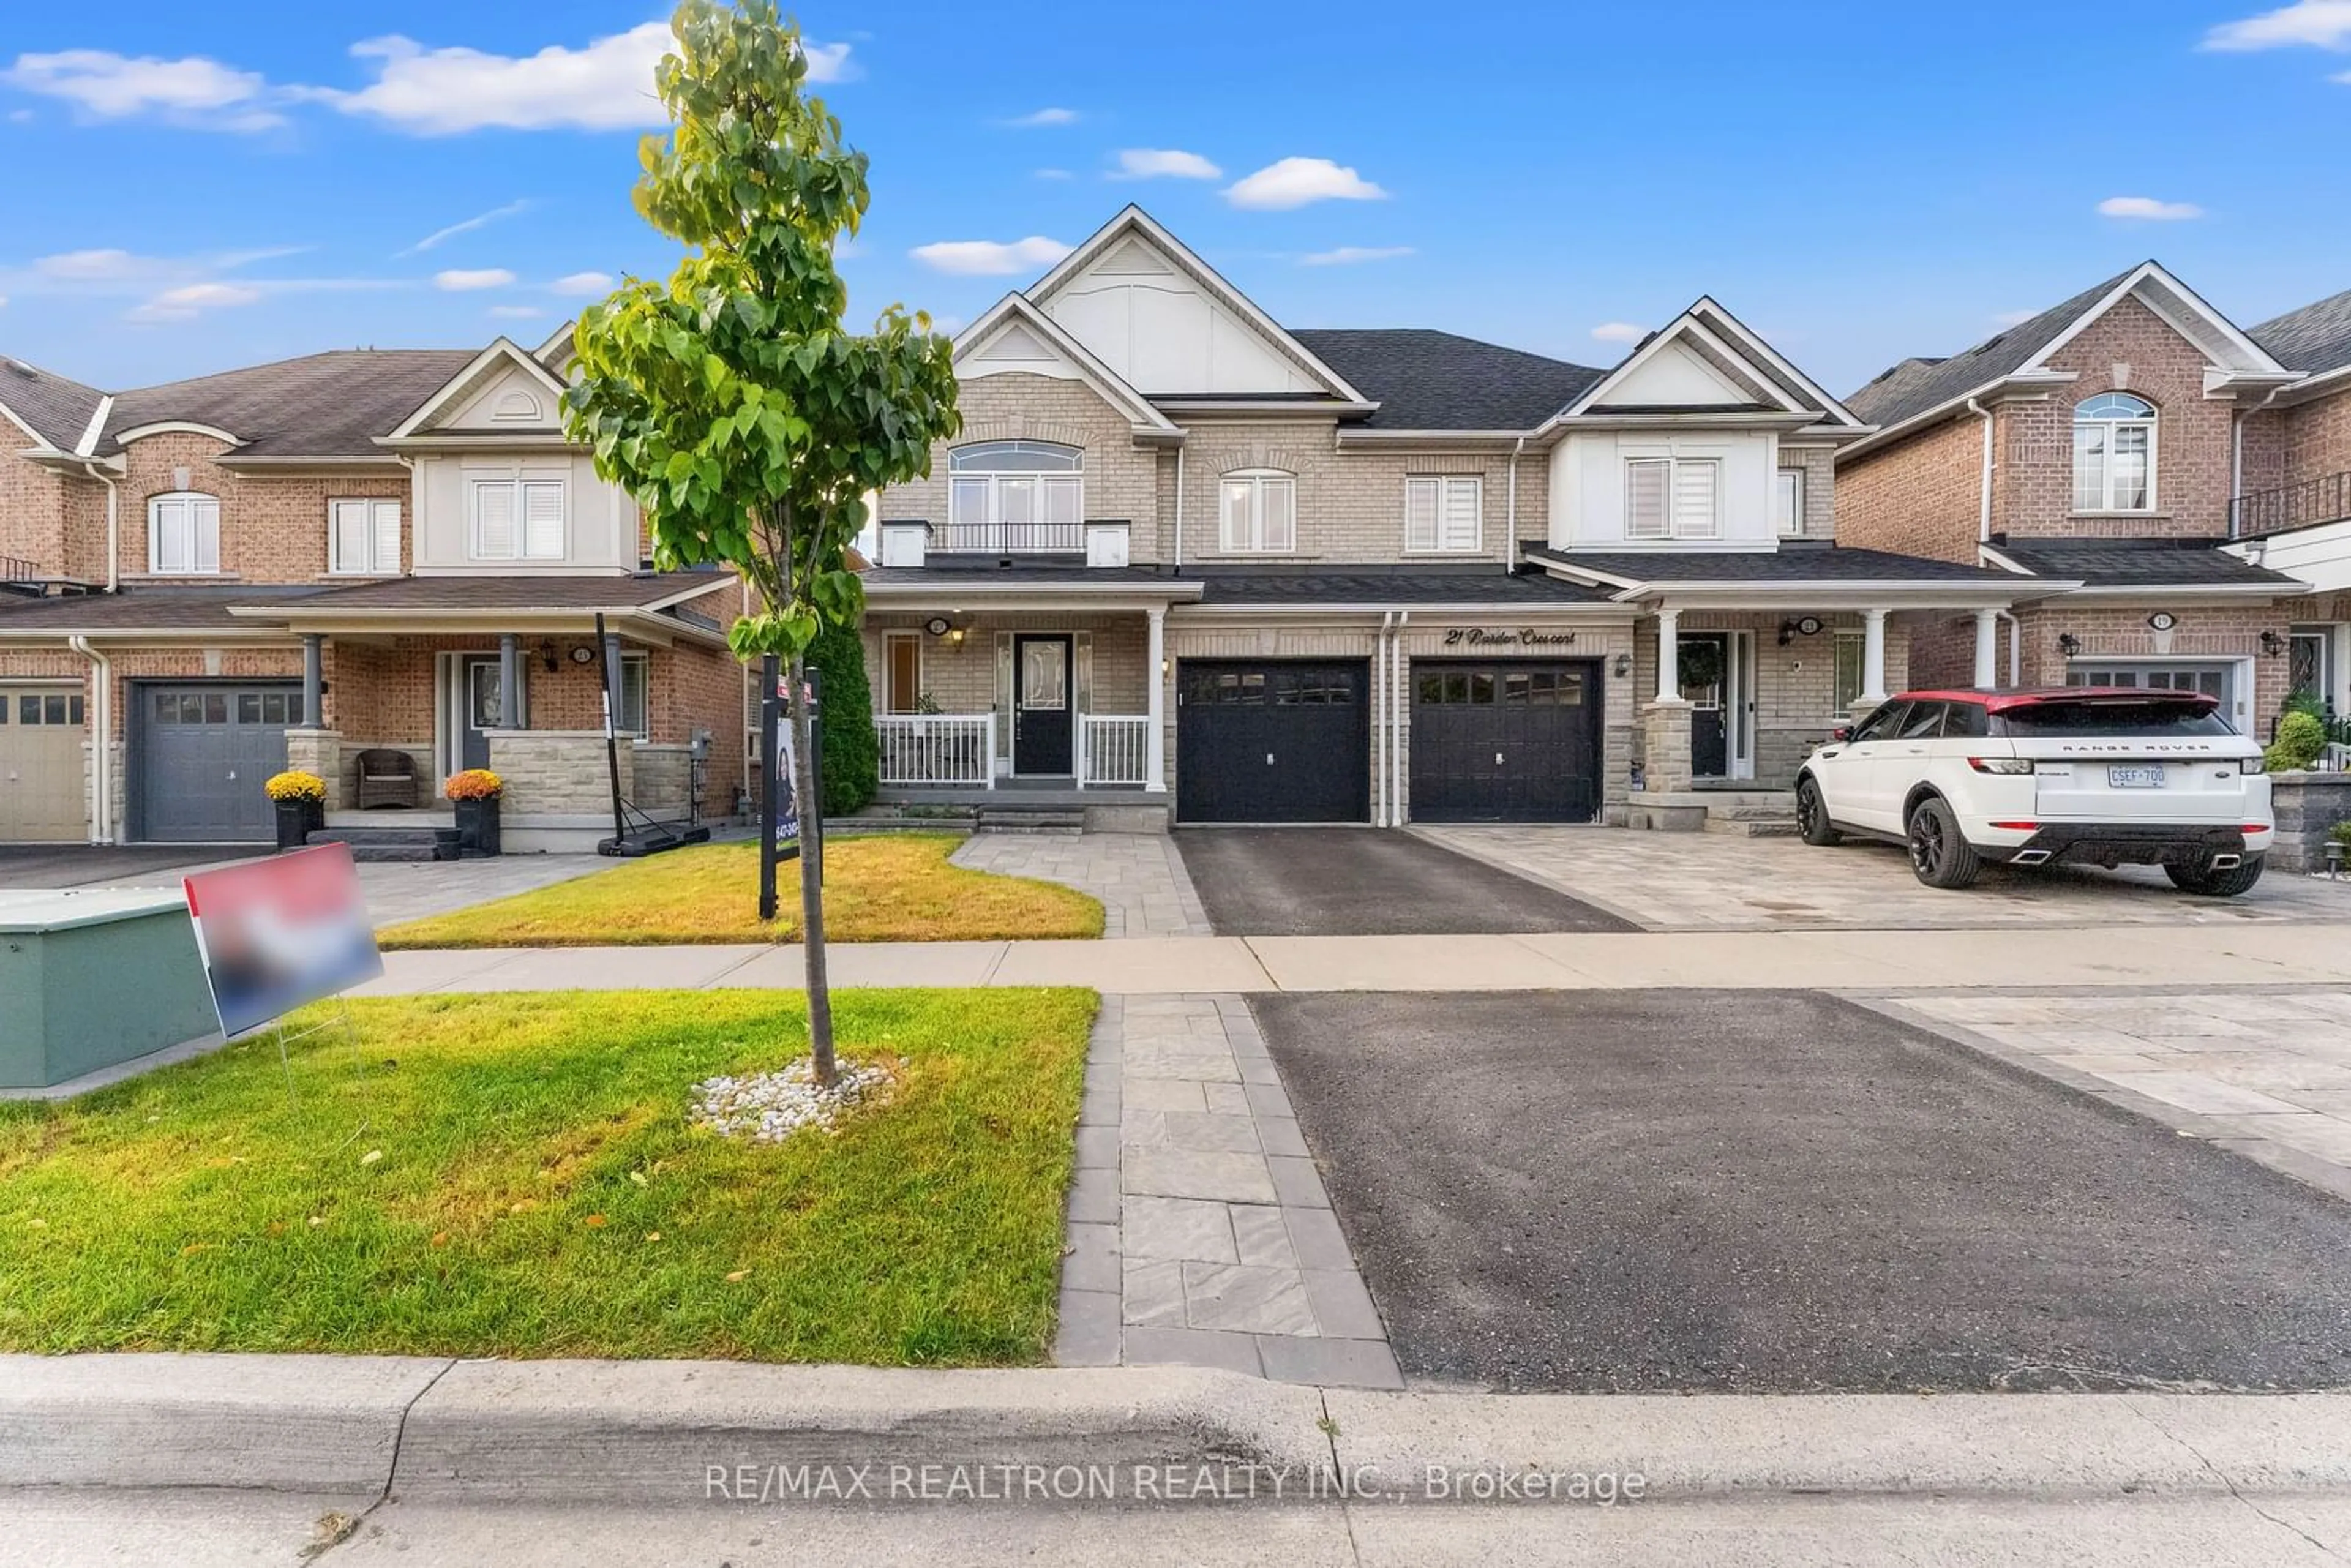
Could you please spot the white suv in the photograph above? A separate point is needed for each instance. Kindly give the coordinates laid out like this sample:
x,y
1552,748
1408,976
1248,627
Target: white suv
x,y
2085,775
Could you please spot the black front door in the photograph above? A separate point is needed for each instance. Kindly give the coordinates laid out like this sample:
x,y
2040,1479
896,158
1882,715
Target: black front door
x,y
1277,740
1507,742
1704,664
1040,706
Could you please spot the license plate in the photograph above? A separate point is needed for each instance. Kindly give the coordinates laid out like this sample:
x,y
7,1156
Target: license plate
x,y
2148,775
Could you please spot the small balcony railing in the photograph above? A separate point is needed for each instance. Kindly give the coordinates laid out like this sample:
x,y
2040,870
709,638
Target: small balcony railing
x,y
16,569
2307,504
1013,538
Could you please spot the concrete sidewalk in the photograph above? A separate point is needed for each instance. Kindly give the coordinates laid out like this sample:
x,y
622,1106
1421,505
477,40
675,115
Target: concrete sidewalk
x,y
2126,955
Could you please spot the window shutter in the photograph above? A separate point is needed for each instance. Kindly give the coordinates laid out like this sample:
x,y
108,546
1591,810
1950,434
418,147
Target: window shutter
x,y
543,519
1645,498
1281,514
494,520
1694,486
1461,507
387,536
1420,513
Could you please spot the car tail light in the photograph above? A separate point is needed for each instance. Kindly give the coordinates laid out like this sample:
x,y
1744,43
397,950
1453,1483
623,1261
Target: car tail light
x,y
2253,765
2000,764
2253,827
2019,826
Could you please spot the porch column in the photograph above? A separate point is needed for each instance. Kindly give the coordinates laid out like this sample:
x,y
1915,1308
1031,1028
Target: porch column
x,y
510,682
1873,656
1669,674
1154,738
314,680
1987,648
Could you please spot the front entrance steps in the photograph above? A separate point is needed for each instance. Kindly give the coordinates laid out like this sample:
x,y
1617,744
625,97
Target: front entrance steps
x,y
1749,814
379,845
1025,808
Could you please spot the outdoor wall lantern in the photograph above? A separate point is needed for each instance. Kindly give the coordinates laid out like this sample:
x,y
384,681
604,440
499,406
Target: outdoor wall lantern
x,y
547,656
1803,626
954,636
1624,666
2068,644
2273,645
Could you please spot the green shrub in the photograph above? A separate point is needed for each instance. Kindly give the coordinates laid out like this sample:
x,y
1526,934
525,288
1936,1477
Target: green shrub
x,y
853,756
2341,834
2300,738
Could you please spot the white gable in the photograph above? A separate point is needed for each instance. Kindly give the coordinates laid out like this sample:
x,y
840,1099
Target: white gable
x,y
1676,377
1163,331
1017,350
515,400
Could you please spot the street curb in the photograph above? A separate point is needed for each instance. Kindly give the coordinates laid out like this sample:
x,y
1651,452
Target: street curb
x,y
672,1433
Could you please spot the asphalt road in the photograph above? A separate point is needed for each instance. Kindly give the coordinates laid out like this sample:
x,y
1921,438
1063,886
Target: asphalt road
x,y
92,865
1359,882
1780,1192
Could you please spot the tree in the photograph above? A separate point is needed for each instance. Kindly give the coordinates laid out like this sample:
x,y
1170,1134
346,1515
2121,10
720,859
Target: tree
x,y
731,402
852,753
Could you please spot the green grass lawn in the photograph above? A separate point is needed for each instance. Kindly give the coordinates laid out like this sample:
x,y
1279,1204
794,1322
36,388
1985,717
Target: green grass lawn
x,y
516,1175
889,887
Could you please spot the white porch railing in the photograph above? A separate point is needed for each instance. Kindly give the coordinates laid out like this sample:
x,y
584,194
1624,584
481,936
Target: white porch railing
x,y
937,747
1114,748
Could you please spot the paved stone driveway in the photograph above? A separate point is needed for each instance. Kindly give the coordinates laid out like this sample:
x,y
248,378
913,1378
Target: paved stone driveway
x,y
1139,877
2265,1073
1199,1232
1720,882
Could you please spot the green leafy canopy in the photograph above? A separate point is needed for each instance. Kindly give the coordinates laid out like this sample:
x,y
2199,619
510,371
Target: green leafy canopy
x,y
731,402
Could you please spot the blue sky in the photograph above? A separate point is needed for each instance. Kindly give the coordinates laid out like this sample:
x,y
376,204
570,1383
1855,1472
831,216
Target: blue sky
x,y
198,186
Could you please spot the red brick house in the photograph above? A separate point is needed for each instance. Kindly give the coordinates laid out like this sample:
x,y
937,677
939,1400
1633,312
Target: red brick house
x,y
205,582
2134,441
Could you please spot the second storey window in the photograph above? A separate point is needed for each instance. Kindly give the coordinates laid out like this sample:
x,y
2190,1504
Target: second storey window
x,y
1673,499
1788,502
183,534
517,519
1259,511
1016,496
1443,514
2114,454
363,537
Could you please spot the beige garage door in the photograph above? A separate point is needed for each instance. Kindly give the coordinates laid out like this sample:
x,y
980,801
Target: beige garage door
x,y
41,791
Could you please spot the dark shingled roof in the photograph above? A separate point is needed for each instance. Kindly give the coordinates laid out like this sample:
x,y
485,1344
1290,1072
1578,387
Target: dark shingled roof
x,y
321,405
1790,563
518,592
2143,563
1915,385
2315,338
139,609
58,409
1403,586
1424,380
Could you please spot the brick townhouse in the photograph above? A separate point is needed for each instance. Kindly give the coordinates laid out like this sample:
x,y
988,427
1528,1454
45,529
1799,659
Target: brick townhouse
x,y
1182,560
2192,478
294,563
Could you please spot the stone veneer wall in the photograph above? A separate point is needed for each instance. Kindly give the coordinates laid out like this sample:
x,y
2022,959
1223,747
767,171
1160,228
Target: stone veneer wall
x,y
664,779
557,772
320,751
2308,805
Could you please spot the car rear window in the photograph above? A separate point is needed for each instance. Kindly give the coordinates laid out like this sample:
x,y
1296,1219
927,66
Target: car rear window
x,y
2153,717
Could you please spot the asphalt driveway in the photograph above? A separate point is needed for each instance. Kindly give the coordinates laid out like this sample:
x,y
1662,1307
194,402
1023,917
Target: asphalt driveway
x,y
97,865
1781,1192
1359,882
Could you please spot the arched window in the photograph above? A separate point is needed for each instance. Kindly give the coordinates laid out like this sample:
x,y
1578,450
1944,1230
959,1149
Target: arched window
x,y
1259,510
183,534
1016,496
2114,454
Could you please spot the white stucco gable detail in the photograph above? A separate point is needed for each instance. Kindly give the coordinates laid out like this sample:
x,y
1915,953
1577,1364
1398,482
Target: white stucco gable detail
x,y
1015,338
1707,359
1166,323
504,388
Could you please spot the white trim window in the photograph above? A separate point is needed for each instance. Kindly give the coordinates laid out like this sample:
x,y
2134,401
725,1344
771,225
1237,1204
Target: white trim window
x,y
364,538
1258,508
1673,497
517,519
1444,513
2114,454
1788,502
635,717
1016,496
183,534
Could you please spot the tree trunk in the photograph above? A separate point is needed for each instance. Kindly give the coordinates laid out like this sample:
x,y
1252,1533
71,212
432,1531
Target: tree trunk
x,y
810,797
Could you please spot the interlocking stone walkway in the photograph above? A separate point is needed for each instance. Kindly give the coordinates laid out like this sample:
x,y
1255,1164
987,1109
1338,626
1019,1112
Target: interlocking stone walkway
x,y
1139,877
2266,1072
1199,1231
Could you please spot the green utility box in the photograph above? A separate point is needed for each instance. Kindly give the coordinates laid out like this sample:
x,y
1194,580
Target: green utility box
x,y
93,978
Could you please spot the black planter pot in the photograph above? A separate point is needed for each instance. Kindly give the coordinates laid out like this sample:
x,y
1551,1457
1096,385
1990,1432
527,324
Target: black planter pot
x,y
478,826
297,820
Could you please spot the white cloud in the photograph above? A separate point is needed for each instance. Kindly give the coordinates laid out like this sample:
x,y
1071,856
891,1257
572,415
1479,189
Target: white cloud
x,y
1619,333
466,279
2147,207
469,227
2315,24
608,85
1043,116
582,285
186,302
95,265
990,258
1052,173
516,312
1349,255
194,91
1295,181
1153,162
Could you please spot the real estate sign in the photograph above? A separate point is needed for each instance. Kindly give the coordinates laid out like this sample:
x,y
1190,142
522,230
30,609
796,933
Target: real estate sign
x,y
278,933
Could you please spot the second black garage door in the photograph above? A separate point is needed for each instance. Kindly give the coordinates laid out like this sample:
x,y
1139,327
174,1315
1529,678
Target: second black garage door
x,y
1273,740
1507,742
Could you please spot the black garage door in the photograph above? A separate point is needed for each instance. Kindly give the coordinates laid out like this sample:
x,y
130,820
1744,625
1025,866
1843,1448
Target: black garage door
x,y
1273,740
204,751
1504,742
